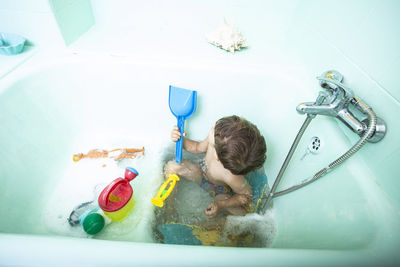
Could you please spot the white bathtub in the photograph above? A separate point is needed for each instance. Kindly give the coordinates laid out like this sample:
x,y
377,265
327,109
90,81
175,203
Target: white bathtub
x,y
51,109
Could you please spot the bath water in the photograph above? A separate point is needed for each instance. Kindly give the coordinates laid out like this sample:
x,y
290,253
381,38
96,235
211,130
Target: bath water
x,y
83,181
191,200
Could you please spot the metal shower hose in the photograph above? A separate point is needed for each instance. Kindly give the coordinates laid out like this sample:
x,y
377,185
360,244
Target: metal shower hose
x,y
368,133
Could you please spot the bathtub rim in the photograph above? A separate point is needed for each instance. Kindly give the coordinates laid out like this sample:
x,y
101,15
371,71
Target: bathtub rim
x,y
43,60
78,251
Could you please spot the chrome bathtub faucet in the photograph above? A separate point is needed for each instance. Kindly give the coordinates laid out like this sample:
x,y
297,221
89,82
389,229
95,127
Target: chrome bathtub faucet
x,y
337,100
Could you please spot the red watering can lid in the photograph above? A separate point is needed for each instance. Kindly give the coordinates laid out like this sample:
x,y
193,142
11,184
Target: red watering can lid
x,y
115,196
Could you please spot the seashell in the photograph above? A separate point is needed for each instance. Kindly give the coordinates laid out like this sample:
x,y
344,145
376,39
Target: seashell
x,y
227,37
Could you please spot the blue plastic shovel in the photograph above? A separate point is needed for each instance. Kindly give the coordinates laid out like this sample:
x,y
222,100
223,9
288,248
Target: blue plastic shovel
x,y
182,103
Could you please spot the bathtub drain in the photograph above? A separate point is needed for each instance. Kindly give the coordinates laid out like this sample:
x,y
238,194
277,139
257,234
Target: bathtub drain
x,y
314,147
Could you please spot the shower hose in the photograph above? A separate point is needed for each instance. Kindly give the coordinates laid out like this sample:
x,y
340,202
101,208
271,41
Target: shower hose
x,y
368,133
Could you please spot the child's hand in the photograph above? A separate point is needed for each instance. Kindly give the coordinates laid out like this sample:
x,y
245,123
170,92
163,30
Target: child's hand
x,y
176,134
212,210
172,168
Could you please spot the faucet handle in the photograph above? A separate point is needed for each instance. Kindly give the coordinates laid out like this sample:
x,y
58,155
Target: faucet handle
x,y
348,92
333,75
321,97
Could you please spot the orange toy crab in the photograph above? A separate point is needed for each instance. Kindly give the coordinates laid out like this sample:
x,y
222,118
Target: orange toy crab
x,y
125,153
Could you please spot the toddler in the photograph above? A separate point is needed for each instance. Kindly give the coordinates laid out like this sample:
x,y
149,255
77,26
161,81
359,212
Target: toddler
x,y
233,148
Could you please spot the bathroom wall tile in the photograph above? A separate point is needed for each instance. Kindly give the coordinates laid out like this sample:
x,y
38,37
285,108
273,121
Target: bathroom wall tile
x,y
367,32
120,13
40,6
35,20
388,78
73,18
58,5
177,28
378,43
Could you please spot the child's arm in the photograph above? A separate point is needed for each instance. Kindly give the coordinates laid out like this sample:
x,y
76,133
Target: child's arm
x,y
237,201
240,200
190,145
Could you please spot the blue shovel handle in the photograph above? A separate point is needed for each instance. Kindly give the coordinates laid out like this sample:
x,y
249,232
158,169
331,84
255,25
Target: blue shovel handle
x,y
179,143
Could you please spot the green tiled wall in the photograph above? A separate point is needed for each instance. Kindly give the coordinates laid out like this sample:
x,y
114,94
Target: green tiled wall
x,y
74,17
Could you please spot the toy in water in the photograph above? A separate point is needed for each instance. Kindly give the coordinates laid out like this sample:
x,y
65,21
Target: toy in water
x,y
117,154
114,204
116,200
92,221
182,103
74,217
164,192
88,215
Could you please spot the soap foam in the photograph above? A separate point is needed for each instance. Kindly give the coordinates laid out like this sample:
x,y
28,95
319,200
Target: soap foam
x,y
84,180
262,226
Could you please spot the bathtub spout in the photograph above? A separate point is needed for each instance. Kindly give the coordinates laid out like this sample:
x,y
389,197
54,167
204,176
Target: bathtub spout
x,y
314,109
319,107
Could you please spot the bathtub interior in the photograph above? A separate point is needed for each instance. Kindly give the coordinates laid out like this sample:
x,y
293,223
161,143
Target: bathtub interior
x,y
74,106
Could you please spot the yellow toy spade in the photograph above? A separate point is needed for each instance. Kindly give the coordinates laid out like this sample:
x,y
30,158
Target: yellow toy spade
x,y
163,193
